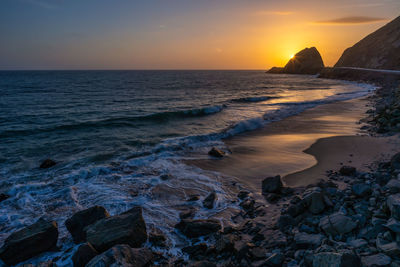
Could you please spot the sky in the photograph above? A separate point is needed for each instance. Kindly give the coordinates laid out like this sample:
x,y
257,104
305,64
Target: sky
x,y
181,34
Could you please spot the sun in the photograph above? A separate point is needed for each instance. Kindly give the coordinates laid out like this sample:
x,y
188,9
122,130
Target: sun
x,y
291,56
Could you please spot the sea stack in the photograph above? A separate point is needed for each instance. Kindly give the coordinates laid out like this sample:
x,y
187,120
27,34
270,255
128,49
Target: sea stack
x,y
379,50
307,61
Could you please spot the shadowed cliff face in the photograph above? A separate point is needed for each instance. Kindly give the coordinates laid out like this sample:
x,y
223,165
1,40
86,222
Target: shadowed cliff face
x,y
379,50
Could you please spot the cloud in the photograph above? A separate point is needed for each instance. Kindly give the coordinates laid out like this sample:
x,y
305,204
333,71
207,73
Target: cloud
x,y
350,20
278,13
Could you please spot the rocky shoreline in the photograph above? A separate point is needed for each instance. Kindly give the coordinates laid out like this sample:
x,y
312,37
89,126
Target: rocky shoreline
x,y
350,218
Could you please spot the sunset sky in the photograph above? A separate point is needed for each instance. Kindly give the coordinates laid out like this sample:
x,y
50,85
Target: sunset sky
x,y
181,34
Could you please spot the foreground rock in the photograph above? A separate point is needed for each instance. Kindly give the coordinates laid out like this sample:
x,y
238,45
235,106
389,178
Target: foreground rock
x,y
81,219
197,228
47,163
215,152
307,61
272,185
30,241
337,224
126,228
123,255
208,202
83,255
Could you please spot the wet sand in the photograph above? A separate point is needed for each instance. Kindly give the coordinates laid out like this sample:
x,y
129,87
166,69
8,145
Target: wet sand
x,y
282,147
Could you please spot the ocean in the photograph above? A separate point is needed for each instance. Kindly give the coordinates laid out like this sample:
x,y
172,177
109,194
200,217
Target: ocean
x,y
122,138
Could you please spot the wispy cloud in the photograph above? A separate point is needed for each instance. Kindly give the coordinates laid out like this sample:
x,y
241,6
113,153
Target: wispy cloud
x,y
41,3
271,12
350,20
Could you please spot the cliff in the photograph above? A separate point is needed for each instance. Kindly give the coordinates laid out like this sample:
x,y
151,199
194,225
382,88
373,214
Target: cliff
x,y
379,50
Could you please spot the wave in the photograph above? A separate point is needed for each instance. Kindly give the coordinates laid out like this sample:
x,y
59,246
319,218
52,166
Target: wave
x,y
253,99
121,121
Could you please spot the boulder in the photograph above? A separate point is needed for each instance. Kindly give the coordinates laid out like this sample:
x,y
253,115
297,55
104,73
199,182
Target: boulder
x,y
393,225
334,259
83,218
275,260
157,238
123,255
347,170
208,202
377,260
395,162
83,255
337,224
47,163
393,202
195,228
307,61
393,185
314,200
272,185
127,228
304,240
215,152
388,248
203,264
361,190
3,197
30,241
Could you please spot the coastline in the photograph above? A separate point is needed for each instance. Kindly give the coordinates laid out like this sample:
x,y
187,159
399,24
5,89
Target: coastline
x,y
278,147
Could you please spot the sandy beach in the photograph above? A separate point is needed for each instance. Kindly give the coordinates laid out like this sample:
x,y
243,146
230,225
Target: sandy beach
x,y
302,148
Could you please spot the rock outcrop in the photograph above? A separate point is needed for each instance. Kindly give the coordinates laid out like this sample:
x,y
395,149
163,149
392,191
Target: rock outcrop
x,y
83,218
307,61
30,241
123,255
127,228
379,50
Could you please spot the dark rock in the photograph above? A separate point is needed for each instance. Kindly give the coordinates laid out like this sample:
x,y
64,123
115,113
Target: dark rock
x,y
347,170
165,177
377,260
243,194
3,197
394,186
272,197
393,225
285,221
388,248
296,209
248,204
193,198
189,213
275,260
208,202
275,70
379,50
196,251
361,190
337,224
325,259
30,241
304,240
126,228
157,238
393,202
272,184
215,152
395,162
83,218
123,255
83,255
272,238
225,243
203,264
47,164
314,200
195,228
